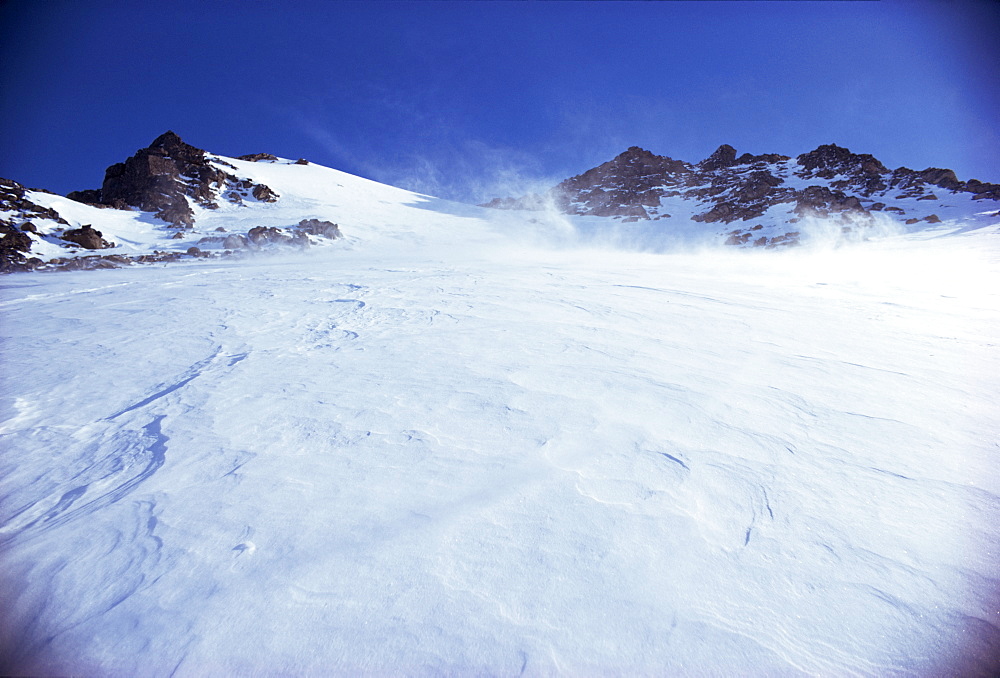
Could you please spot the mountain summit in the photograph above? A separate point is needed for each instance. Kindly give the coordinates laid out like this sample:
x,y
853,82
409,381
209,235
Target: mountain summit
x,y
163,176
776,191
172,200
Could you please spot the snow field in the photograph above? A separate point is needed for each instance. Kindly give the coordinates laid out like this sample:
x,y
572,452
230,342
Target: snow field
x,y
435,456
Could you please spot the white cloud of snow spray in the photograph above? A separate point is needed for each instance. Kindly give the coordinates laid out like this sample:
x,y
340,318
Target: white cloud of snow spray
x,y
817,232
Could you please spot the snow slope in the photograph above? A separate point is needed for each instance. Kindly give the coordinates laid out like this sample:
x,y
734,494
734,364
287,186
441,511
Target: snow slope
x,y
365,210
454,447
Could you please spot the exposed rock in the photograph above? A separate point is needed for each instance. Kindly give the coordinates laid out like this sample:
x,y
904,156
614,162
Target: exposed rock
x,y
621,187
258,157
945,178
737,238
932,219
13,246
301,161
724,212
167,178
87,237
160,179
264,193
732,187
269,235
821,200
13,199
860,171
326,229
981,190
724,156
829,160
90,196
764,158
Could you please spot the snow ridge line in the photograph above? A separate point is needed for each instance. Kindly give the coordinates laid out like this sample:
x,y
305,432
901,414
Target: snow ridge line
x,y
195,371
153,444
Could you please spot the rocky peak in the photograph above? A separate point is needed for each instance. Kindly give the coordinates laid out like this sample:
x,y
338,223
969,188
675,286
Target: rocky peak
x,y
724,156
623,186
635,154
163,177
830,159
169,140
724,188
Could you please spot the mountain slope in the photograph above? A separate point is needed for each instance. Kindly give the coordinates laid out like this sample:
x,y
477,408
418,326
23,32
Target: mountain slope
x,y
772,192
470,441
171,201
171,197
467,455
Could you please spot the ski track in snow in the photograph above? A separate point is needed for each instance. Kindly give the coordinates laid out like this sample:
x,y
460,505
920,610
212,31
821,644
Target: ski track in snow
x,y
567,462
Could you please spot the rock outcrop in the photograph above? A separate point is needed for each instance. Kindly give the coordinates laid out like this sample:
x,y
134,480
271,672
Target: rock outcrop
x,y
16,227
622,187
259,157
326,229
87,237
167,178
265,237
828,182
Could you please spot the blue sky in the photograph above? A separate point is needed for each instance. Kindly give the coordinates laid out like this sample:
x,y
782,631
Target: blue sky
x,y
469,100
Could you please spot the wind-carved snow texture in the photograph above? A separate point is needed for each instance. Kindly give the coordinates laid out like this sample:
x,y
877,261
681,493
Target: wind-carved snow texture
x,y
450,455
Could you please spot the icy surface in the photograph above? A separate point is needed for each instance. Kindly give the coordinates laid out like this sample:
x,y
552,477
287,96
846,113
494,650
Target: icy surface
x,y
455,448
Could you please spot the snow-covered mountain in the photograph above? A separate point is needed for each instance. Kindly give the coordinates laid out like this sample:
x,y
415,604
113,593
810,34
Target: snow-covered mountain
x,y
468,441
172,200
765,196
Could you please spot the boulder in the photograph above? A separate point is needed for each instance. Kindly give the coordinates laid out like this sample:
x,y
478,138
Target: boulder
x,y
87,237
327,229
264,193
262,236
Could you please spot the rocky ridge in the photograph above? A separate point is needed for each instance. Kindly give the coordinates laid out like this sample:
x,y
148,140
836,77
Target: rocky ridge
x,y
17,216
170,180
829,182
167,176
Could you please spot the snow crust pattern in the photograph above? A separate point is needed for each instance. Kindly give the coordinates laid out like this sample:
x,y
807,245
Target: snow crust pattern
x,y
467,441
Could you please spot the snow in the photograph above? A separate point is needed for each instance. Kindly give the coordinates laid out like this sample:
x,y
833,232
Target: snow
x,y
466,442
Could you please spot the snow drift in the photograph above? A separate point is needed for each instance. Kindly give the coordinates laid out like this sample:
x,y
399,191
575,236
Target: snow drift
x,y
445,445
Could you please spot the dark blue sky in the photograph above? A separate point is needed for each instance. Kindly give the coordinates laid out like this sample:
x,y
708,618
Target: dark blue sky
x,y
473,99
